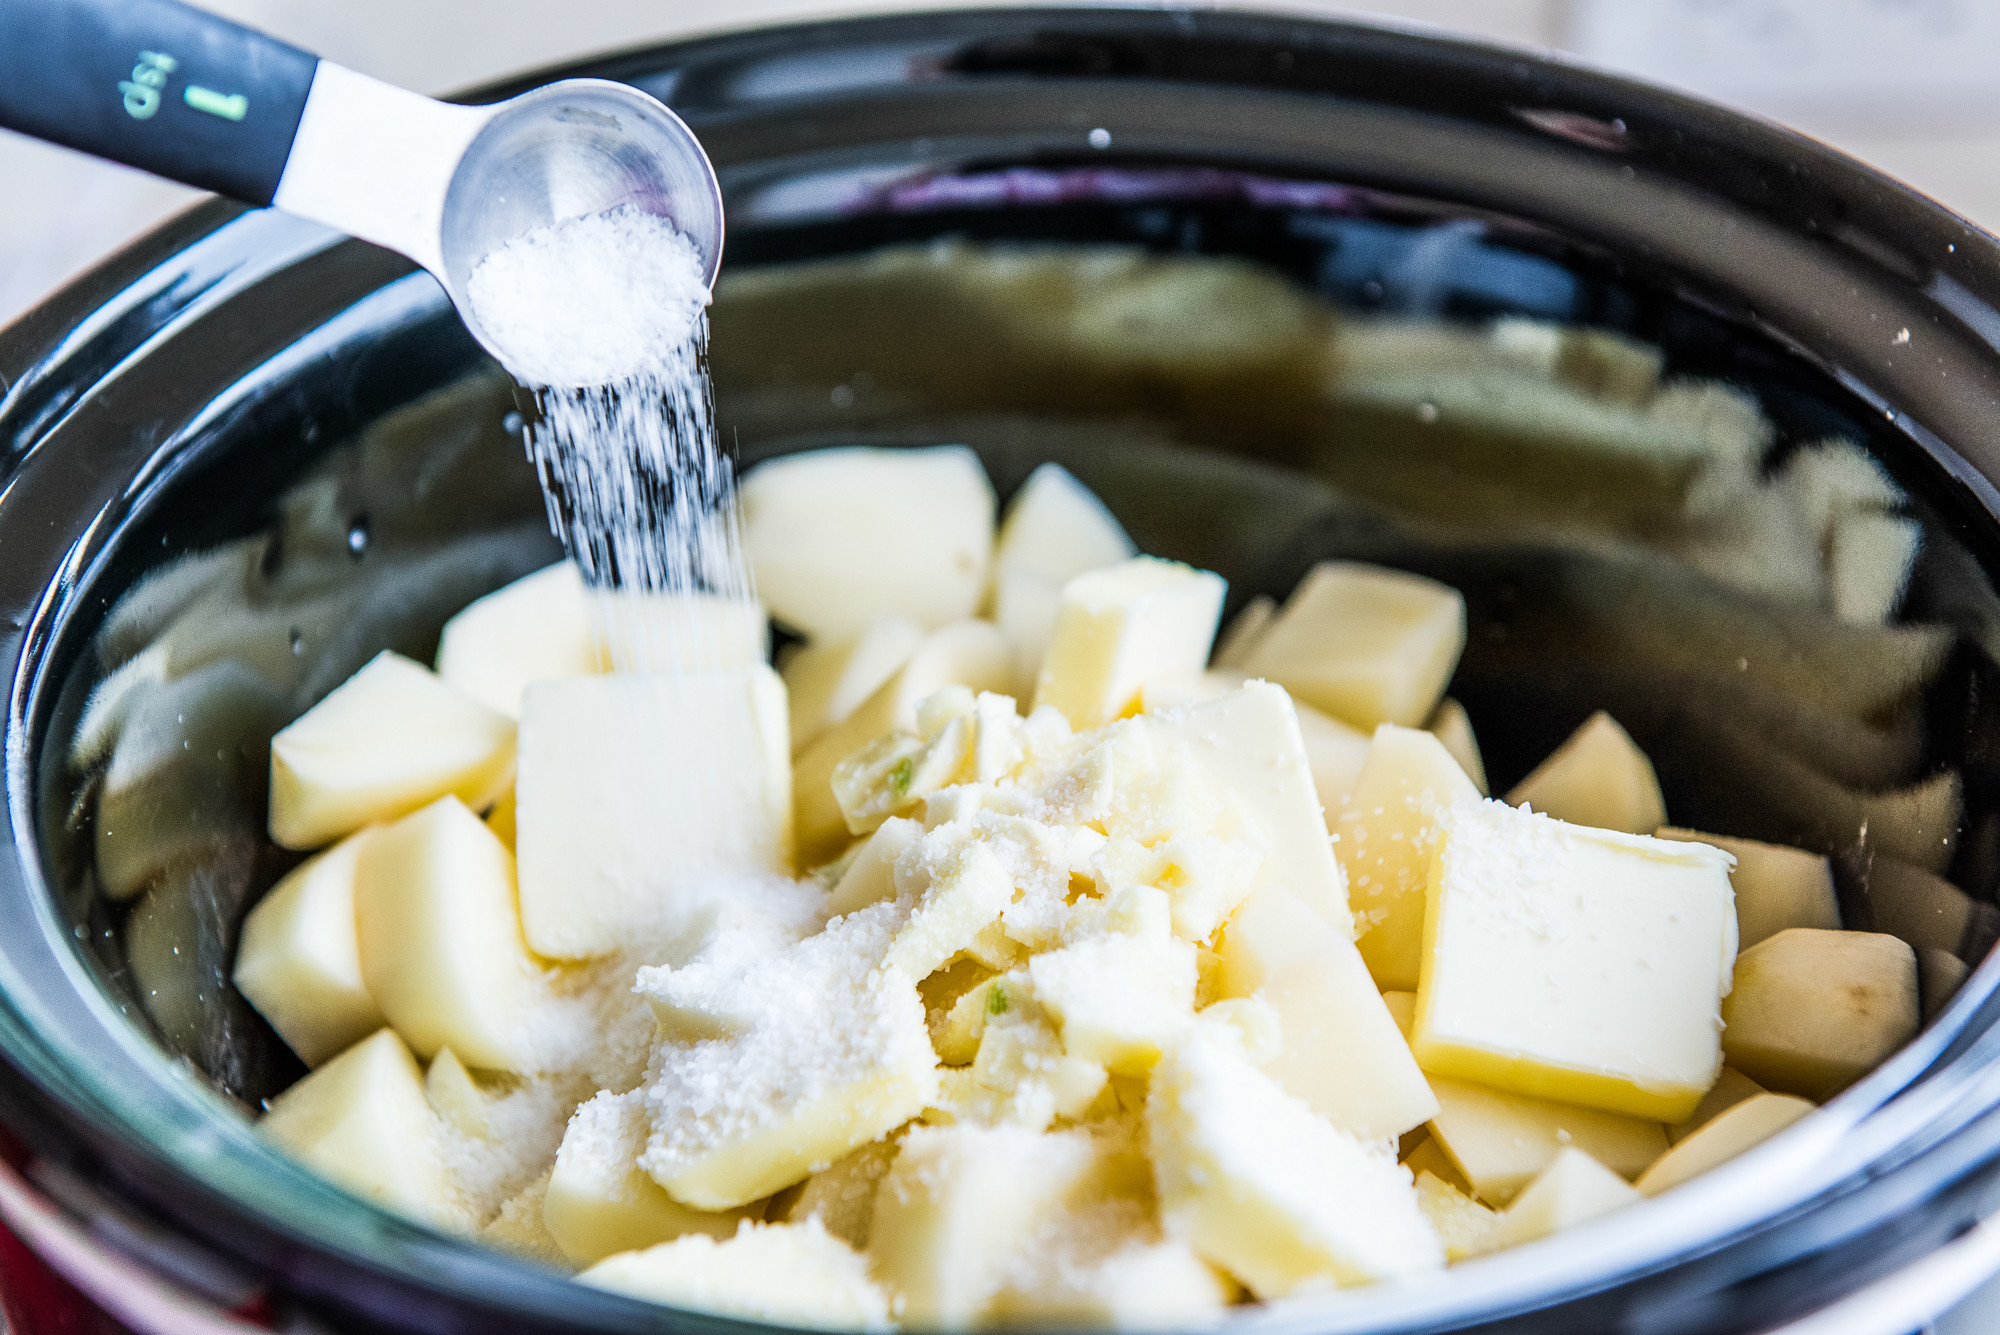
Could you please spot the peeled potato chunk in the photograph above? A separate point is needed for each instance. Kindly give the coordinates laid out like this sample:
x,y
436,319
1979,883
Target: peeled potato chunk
x,y
1249,747
826,1051
1776,887
299,962
840,538
1122,625
841,1195
1742,1127
1342,1053
535,629
962,1203
785,1274
633,787
1384,838
1462,1223
1573,963
1365,644
1500,1141
1450,724
829,680
598,1201
1242,634
440,935
390,739
1600,778
362,1120
973,654
1731,1088
1813,1011
1055,529
1572,1190
1263,1187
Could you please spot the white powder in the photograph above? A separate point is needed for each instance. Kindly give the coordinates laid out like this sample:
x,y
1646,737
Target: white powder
x,y
590,301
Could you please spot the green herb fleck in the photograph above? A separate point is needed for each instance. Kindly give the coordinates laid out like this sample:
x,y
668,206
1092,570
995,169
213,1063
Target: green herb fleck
x,y
996,1001
899,777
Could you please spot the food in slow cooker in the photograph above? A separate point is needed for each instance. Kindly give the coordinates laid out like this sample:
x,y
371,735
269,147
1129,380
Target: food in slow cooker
x,y
1129,980
1623,539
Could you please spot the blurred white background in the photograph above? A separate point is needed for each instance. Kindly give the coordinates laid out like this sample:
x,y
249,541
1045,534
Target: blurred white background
x,y
1910,85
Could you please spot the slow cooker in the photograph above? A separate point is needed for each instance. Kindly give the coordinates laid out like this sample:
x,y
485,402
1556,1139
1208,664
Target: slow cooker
x,y
242,381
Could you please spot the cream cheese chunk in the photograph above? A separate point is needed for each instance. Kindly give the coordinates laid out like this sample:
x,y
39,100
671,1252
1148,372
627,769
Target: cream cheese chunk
x,y
299,960
1599,777
1384,838
837,539
1118,627
1572,963
388,740
361,1119
1776,887
1366,644
439,927
633,788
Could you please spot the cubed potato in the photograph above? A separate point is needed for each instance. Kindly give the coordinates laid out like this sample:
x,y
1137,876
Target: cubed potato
x,y
1342,1053
835,1054
1105,1266
1500,1141
1813,1011
870,876
828,681
962,1203
535,629
841,1195
440,936
361,1120
784,1274
959,887
1058,526
1261,1186
518,1228
1731,1088
503,819
1939,976
1574,1189
299,962
1121,626
1384,838
1119,998
1427,1156
632,788
1462,1224
1450,724
1731,1132
972,654
1365,644
1233,648
599,1202
455,1096
389,740
1776,887
1922,908
1335,753
840,538
1026,604
1250,750
1573,963
1599,778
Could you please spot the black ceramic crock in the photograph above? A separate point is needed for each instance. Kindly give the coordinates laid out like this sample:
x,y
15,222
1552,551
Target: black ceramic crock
x,y
161,403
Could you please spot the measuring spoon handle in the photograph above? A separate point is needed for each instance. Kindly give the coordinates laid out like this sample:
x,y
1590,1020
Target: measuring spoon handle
x,y
155,84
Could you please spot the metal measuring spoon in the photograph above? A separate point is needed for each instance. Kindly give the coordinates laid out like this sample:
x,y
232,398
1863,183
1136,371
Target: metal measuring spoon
x,y
170,89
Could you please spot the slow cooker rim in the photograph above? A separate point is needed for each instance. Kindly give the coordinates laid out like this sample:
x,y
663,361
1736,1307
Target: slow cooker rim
x,y
568,1293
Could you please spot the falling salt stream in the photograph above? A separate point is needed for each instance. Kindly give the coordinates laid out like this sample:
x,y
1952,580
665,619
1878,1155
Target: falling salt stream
x,y
605,317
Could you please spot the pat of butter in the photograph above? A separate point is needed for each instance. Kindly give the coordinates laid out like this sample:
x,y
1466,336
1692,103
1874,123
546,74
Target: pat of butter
x,y
634,787
1574,964
1121,626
